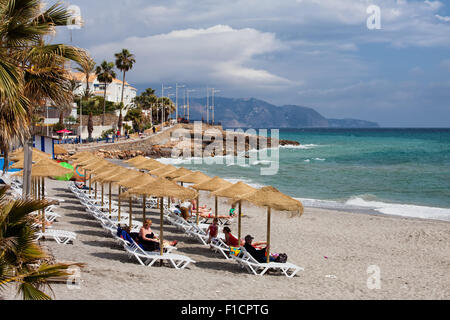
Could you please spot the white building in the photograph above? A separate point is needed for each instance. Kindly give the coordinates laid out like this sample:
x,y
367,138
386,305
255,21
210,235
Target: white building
x,y
113,90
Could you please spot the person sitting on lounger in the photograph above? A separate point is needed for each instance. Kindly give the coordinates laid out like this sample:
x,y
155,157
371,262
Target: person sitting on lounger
x,y
149,240
81,186
177,210
232,241
201,209
258,254
213,230
185,213
233,210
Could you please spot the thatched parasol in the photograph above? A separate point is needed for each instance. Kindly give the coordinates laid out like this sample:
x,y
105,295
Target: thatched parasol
x,y
234,191
19,153
271,198
117,179
42,170
114,174
133,182
149,164
37,155
211,185
163,170
136,160
177,173
81,155
162,188
195,177
58,150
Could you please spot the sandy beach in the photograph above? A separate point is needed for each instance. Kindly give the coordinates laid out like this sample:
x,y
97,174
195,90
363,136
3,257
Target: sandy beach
x,y
335,249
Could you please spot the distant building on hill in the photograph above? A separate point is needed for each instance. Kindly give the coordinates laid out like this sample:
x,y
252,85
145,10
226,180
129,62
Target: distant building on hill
x,y
113,90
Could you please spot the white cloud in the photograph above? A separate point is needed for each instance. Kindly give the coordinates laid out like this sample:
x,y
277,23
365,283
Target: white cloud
x,y
216,54
445,19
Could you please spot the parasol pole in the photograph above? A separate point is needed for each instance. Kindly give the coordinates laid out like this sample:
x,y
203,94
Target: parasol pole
x,y
161,236
131,214
216,207
102,195
118,218
143,207
43,198
198,208
239,222
268,235
90,183
95,189
110,200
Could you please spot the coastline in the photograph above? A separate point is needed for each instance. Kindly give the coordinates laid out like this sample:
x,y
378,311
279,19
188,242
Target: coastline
x,y
335,248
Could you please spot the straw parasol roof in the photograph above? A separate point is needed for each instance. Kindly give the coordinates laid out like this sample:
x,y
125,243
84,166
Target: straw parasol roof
x,y
111,174
136,160
177,173
37,155
96,164
86,161
235,190
83,154
142,179
149,164
272,198
212,184
126,175
161,187
195,177
163,170
46,168
59,150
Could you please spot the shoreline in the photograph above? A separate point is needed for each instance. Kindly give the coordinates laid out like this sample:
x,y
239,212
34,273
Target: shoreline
x,y
335,248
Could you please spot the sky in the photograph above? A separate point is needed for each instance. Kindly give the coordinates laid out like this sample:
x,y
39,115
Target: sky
x,y
315,53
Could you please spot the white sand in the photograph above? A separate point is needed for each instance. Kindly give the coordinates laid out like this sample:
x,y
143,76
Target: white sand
x,y
413,256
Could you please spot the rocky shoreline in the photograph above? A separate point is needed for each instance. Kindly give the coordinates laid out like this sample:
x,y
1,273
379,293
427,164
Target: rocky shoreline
x,y
164,147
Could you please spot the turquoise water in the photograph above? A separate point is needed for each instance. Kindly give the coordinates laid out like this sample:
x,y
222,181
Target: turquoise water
x,y
392,171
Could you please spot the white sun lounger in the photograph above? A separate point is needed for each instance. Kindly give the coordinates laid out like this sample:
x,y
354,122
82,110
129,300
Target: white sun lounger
x,y
245,260
219,245
60,236
148,259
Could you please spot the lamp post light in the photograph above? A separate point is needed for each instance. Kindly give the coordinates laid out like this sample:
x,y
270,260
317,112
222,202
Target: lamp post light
x,y
189,104
176,99
168,96
213,105
162,98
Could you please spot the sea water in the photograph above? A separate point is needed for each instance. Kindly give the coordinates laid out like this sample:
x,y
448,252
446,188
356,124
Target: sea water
x,y
402,172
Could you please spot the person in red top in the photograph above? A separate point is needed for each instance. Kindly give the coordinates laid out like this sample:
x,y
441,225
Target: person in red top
x,y
232,241
213,230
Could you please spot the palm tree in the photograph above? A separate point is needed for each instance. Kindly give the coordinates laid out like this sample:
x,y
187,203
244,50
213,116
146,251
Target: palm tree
x,y
30,70
124,62
22,261
90,126
86,66
105,74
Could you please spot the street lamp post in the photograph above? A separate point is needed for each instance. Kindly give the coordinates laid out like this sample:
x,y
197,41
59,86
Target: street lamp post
x,y
213,108
162,98
176,99
189,104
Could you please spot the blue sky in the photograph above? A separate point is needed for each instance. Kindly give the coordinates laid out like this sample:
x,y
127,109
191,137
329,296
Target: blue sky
x,y
316,53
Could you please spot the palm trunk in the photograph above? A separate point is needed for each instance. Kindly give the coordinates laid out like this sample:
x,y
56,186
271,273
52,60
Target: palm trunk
x,y
104,106
122,105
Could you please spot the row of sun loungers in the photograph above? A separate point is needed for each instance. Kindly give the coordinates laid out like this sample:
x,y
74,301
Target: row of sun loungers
x,y
60,236
110,223
243,258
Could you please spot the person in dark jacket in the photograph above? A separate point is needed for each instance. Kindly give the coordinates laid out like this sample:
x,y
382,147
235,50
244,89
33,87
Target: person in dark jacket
x,y
258,254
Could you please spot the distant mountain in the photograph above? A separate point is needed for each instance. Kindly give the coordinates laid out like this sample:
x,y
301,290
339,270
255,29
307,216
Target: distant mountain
x,y
254,113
